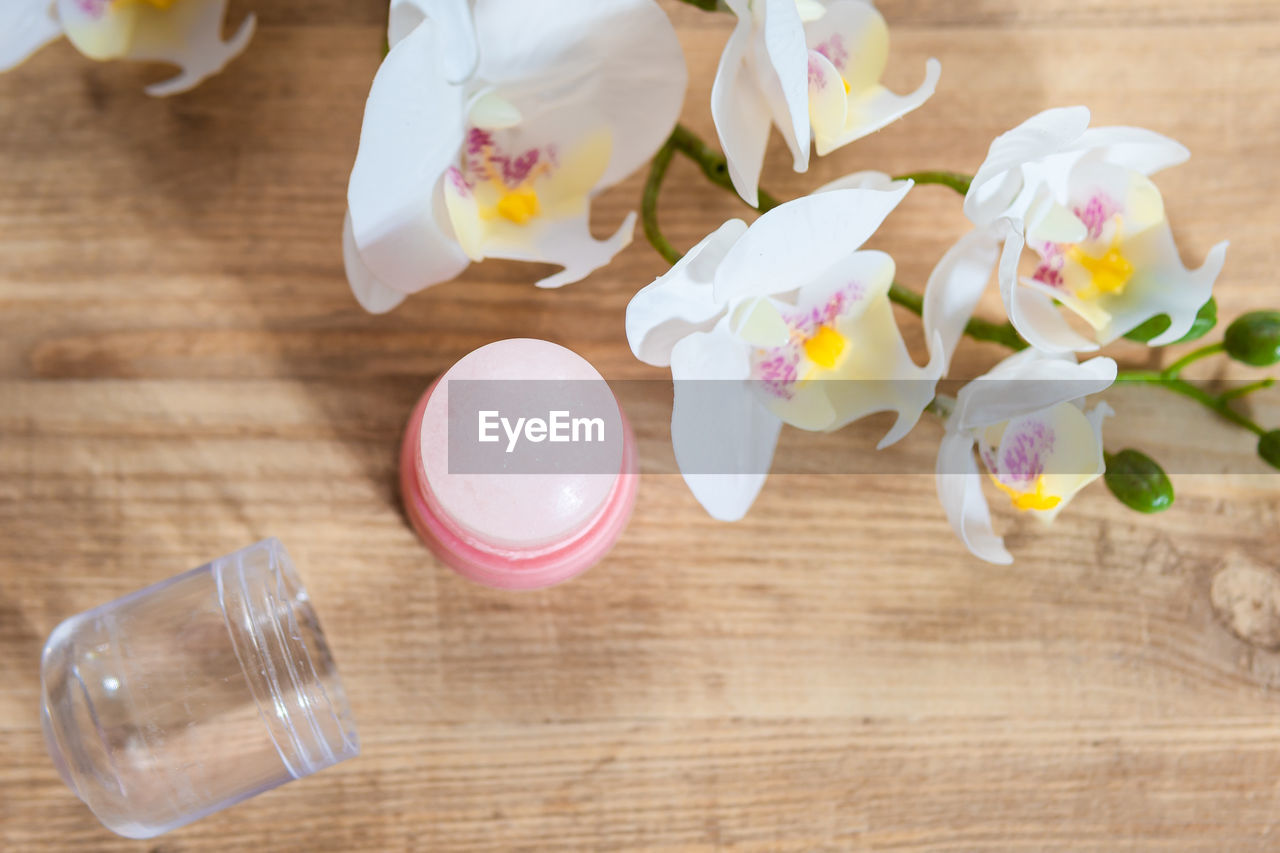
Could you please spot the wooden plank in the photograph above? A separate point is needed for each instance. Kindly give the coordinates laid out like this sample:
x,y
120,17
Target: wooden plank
x,y
183,371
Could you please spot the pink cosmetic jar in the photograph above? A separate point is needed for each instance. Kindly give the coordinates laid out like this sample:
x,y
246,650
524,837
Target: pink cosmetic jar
x,y
518,468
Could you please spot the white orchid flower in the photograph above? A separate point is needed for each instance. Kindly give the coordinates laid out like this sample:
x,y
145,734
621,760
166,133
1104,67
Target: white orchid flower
x,y
186,33
1027,420
813,68
1083,201
785,321
565,101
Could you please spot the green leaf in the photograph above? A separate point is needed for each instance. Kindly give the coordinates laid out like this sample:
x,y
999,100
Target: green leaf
x,y
1269,448
1206,319
1254,338
1138,481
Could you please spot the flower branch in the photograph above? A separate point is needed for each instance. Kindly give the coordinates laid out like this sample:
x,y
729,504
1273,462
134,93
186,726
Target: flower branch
x,y
690,320
1174,370
977,328
1219,403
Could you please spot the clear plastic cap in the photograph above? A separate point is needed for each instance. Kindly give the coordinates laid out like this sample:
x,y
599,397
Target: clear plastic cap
x,y
192,695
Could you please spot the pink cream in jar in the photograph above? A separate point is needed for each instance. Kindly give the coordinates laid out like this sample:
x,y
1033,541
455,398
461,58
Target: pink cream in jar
x,y
486,513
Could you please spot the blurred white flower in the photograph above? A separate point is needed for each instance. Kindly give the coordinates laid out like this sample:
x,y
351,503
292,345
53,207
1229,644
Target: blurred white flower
x,y
804,65
1026,418
456,167
1083,201
186,33
784,321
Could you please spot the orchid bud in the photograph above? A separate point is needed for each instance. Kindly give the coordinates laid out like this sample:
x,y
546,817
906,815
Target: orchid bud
x,y
1269,448
1254,338
1138,481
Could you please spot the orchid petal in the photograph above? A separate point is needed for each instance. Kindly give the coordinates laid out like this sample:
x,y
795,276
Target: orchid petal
x,y
1055,450
464,214
491,111
955,287
456,45
866,180
810,10
828,101
681,301
412,133
1198,282
374,296
1135,148
884,376
798,241
25,27
189,35
960,492
1032,313
876,108
1162,286
999,180
568,242
783,74
873,371
759,323
853,39
740,114
1027,382
723,437
1051,222
611,63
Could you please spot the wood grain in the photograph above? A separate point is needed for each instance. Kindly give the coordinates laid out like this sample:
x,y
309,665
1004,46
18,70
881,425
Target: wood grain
x,y
183,371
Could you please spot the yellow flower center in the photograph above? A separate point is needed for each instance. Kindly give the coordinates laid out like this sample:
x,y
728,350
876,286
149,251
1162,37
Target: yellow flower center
x,y
824,347
162,5
518,205
1108,273
1029,500
847,87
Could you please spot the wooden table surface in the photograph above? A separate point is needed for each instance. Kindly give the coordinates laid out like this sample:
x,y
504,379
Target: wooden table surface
x,y
183,371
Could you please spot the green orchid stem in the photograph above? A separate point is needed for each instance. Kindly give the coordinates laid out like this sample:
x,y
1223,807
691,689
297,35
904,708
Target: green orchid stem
x,y
706,158
1243,390
1174,370
958,182
705,5
713,164
977,328
649,204
1220,403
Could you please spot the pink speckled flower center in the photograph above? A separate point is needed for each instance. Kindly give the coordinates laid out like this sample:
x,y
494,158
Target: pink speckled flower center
x,y
834,50
1022,455
814,343
484,159
1108,269
509,176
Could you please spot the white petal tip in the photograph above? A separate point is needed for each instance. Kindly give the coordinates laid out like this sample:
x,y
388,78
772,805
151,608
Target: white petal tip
x,y
188,80
378,300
